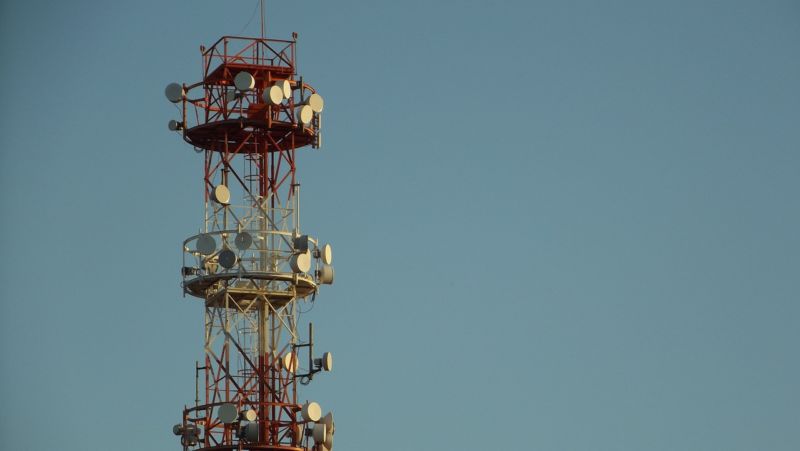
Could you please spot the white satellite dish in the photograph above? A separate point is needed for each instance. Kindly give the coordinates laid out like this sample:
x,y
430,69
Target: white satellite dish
x,y
174,92
305,114
227,413
326,253
244,81
248,415
227,259
287,89
311,411
289,362
221,195
326,274
243,241
273,95
174,125
319,432
300,262
327,364
316,102
206,244
328,421
328,443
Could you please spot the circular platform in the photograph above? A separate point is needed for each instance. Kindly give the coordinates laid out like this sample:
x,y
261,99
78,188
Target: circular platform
x,y
214,135
241,288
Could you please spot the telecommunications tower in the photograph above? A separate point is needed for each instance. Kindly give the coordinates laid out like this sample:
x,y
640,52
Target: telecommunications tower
x,y
251,264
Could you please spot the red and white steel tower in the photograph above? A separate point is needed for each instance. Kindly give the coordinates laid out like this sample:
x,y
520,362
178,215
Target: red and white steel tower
x,y
250,264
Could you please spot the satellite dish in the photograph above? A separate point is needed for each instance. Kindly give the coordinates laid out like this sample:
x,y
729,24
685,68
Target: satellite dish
x,y
243,241
206,244
316,102
177,429
248,415
227,413
221,195
174,125
328,421
174,92
300,262
273,95
327,364
319,432
287,89
305,114
244,81
328,443
311,411
289,362
326,253
227,259
325,274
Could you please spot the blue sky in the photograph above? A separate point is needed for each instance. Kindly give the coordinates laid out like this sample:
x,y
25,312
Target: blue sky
x,y
557,225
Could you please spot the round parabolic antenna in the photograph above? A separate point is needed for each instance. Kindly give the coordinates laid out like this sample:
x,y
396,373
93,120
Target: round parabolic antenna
x,y
328,421
221,195
243,240
327,254
174,125
300,262
287,89
316,103
177,429
244,81
174,92
327,365
319,432
273,95
206,244
326,274
311,411
227,413
289,362
227,259
249,415
305,114
328,440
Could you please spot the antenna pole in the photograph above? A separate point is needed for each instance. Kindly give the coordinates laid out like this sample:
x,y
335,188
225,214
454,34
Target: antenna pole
x,y
262,19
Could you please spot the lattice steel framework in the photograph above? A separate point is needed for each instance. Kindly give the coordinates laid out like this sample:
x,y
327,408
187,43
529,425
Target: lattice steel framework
x,y
246,263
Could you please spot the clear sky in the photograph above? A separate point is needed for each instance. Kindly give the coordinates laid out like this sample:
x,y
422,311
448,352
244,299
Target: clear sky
x,y
557,225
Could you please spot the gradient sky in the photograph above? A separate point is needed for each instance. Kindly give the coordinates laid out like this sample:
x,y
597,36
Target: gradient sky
x,y
557,225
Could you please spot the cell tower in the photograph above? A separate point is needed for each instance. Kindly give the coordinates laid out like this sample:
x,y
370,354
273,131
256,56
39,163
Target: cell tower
x,y
250,264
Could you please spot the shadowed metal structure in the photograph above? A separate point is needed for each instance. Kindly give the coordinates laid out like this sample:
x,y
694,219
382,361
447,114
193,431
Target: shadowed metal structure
x,y
251,264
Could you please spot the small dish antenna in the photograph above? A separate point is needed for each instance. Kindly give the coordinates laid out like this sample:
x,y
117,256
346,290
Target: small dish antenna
x,y
326,274
289,362
311,411
300,243
287,89
206,244
174,125
244,81
174,92
273,95
319,432
243,241
221,195
227,259
328,443
326,253
327,420
300,262
227,413
305,114
316,102
248,415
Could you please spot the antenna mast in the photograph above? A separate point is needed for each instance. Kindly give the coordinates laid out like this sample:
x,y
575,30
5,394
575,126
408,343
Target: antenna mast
x,y
252,266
